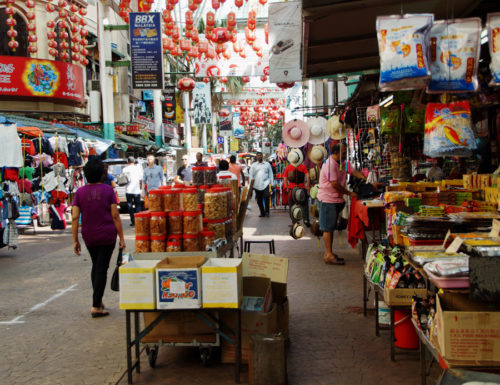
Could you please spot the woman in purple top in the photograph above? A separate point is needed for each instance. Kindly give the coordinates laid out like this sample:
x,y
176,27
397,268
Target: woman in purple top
x,y
101,223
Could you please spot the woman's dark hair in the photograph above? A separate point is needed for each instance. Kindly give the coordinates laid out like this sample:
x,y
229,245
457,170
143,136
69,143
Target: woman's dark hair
x,y
232,159
94,170
223,165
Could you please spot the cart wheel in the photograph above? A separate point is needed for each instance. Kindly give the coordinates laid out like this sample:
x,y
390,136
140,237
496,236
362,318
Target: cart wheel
x,y
152,355
205,355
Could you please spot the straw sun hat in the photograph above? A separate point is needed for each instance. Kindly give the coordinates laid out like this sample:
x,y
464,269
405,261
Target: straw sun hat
x,y
335,129
295,157
318,154
317,126
296,133
297,231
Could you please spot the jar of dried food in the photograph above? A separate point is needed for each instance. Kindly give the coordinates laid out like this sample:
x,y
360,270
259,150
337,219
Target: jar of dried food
x,y
175,238
173,247
175,222
155,199
190,199
201,193
172,200
207,239
158,244
142,244
142,223
218,227
193,222
191,242
225,180
215,204
229,201
158,223
198,176
210,175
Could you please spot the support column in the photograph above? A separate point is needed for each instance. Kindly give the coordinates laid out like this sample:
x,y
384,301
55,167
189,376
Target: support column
x,y
204,138
330,96
226,144
108,114
214,134
187,121
157,117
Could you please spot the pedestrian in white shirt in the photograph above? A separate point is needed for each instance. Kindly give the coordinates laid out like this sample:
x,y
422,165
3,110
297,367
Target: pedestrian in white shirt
x,y
262,175
134,174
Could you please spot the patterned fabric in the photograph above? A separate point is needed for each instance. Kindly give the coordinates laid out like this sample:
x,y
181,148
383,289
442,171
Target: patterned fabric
x,y
25,218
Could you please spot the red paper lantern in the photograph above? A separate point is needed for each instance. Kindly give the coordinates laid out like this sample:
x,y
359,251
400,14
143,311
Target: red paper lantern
x,y
266,71
185,84
231,20
210,19
50,7
285,85
30,4
263,78
223,79
238,3
192,5
215,4
32,38
189,17
245,79
32,48
220,36
31,27
206,80
224,113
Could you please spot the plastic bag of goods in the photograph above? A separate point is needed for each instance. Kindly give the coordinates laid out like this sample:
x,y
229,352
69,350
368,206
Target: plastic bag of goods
x,y
401,42
448,130
390,120
454,49
414,118
493,25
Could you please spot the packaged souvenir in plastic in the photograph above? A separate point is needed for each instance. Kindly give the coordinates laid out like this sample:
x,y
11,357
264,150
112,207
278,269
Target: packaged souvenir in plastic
x,y
448,130
454,48
401,42
414,118
493,25
389,120
372,114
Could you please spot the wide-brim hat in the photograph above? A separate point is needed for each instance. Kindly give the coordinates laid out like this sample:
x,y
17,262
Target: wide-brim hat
x,y
296,213
314,191
318,154
295,133
314,174
299,195
295,157
317,127
315,230
335,129
297,231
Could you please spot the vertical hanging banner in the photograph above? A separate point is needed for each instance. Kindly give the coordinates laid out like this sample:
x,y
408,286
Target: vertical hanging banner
x,y
169,103
293,103
146,50
179,112
239,131
285,41
226,122
202,103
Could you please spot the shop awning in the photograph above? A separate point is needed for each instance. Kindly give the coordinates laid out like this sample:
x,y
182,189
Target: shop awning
x,y
340,36
30,131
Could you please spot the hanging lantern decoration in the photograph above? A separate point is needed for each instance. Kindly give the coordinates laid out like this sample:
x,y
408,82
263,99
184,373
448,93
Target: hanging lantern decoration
x,y
245,79
194,53
215,4
227,53
206,80
192,5
249,36
11,23
51,35
231,21
238,3
266,32
223,79
31,27
285,85
211,52
220,35
224,113
266,71
203,46
195,37
252,19
185,84
263,78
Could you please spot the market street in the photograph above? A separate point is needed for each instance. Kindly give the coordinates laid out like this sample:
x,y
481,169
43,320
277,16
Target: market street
x,y
57,342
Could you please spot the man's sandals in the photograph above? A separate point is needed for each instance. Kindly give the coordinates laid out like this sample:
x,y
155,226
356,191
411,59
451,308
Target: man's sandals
x,y
336,260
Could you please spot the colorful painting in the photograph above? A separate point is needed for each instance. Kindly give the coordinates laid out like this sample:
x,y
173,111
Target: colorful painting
x,y
42,78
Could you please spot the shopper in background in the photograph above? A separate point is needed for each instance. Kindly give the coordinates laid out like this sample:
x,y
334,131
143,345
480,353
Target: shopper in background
x,y
435,173
224,170
110,180
134,174
185,172
331,197
100,225
199,160
262,175
153,176
237,170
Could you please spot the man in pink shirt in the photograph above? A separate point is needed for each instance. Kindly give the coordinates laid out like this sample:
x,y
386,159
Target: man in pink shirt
x,y
331,197
237,170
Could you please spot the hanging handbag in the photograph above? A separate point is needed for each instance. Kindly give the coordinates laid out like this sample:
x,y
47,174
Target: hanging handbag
x,y
122,180
115,279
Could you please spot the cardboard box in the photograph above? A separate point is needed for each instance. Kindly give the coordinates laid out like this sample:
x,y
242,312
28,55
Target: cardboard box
x,y
178,282
222,283
259,287
137,285
402,297
468,331
179,326
284,318
252,322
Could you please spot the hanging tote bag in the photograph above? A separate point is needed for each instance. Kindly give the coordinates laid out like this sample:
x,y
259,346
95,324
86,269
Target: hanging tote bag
x,y
115,279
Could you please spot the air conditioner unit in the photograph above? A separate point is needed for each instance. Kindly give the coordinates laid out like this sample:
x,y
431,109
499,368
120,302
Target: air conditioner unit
x,y
94,85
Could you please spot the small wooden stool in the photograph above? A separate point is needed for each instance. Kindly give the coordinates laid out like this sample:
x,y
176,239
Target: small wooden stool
x,y
272,250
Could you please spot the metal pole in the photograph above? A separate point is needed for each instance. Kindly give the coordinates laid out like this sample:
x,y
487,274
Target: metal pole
x,y
104,46
157,116
214,134
187,121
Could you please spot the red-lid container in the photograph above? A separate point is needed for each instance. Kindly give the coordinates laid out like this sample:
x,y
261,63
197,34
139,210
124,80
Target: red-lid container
x,y
157,237
190,236
198,168
225,177
175,213
173,243
190,190
142,237
156,192
174,238
143,214
210,168
192,213
165,187
177,186
207,233
173,191
159,214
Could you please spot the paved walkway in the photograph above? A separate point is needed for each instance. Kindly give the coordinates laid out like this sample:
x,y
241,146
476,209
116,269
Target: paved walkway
x,y
331,341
